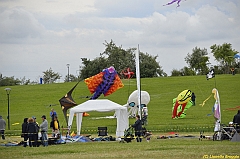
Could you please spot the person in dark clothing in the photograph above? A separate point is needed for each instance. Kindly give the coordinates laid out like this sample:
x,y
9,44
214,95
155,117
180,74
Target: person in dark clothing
x,y
138,128
25,131
37,130
32,130
236,120
2,127
193,98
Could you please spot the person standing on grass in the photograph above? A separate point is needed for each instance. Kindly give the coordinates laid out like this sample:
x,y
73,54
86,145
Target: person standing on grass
x,y
236,119
193,98
44,130
53,114
56,127
2,127
37,127
138,128
25,131
32,130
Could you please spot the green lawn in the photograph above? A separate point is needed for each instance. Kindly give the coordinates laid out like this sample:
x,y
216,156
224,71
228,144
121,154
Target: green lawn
x,y
26,101
156,148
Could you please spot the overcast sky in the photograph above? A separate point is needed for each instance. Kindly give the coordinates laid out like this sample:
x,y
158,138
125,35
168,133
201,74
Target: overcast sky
x,y
36,35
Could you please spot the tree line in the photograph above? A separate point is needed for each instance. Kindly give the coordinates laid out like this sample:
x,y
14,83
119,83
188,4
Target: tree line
x,y
121,59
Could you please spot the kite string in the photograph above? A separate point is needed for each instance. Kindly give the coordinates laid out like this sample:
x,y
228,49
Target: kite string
x,y
128,88
198,86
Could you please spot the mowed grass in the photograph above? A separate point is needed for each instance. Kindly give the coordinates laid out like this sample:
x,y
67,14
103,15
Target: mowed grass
x,y
34,100
155,149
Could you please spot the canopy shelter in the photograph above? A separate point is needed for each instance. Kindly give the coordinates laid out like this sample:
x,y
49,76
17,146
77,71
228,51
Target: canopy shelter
x,y
100,105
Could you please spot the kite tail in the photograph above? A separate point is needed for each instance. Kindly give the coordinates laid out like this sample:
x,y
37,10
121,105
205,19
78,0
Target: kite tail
x,y
205,101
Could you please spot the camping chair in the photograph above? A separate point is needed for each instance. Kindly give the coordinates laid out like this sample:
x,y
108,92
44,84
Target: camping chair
x,y
102,131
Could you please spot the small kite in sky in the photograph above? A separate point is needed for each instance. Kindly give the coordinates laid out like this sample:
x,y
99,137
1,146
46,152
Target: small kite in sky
x,y
127,73
173,1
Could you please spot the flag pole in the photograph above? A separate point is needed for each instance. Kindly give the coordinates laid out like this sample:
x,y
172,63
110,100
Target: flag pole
x,y
138,83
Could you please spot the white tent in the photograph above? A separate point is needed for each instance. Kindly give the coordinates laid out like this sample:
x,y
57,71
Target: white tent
x,y
101,105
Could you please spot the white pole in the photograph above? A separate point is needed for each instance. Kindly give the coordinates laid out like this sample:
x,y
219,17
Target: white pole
x,y
138,83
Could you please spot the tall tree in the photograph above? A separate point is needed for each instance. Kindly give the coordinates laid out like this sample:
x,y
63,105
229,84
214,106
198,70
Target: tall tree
x,y
118,57
224,55
93,67
121,59
198,60
149,67
71,77
50,77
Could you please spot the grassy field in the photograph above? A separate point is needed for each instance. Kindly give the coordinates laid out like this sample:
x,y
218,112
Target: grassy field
x,y
35,100
156,148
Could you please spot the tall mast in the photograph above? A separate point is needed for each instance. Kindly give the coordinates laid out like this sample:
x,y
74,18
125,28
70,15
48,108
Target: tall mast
x,y
138,83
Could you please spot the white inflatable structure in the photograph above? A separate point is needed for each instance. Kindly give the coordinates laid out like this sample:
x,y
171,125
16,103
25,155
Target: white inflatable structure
x,y
133,104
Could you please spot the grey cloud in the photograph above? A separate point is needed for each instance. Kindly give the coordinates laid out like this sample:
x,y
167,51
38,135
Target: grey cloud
x,y
18,24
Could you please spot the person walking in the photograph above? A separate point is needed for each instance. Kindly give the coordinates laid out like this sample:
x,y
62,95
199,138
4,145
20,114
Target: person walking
x,y
2,127
138,128
44,130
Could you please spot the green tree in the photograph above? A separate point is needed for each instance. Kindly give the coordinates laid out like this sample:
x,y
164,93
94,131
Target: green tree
x,y
25,81
149,67
198,60
93,67
9,81
118,57
50,77
224,55
185,71
72,78
121,59
176,72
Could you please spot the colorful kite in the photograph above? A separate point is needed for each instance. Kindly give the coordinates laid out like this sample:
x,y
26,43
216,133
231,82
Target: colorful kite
x,y
237,56
182,99
173,1
106,82
182,108
67,102
127,73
